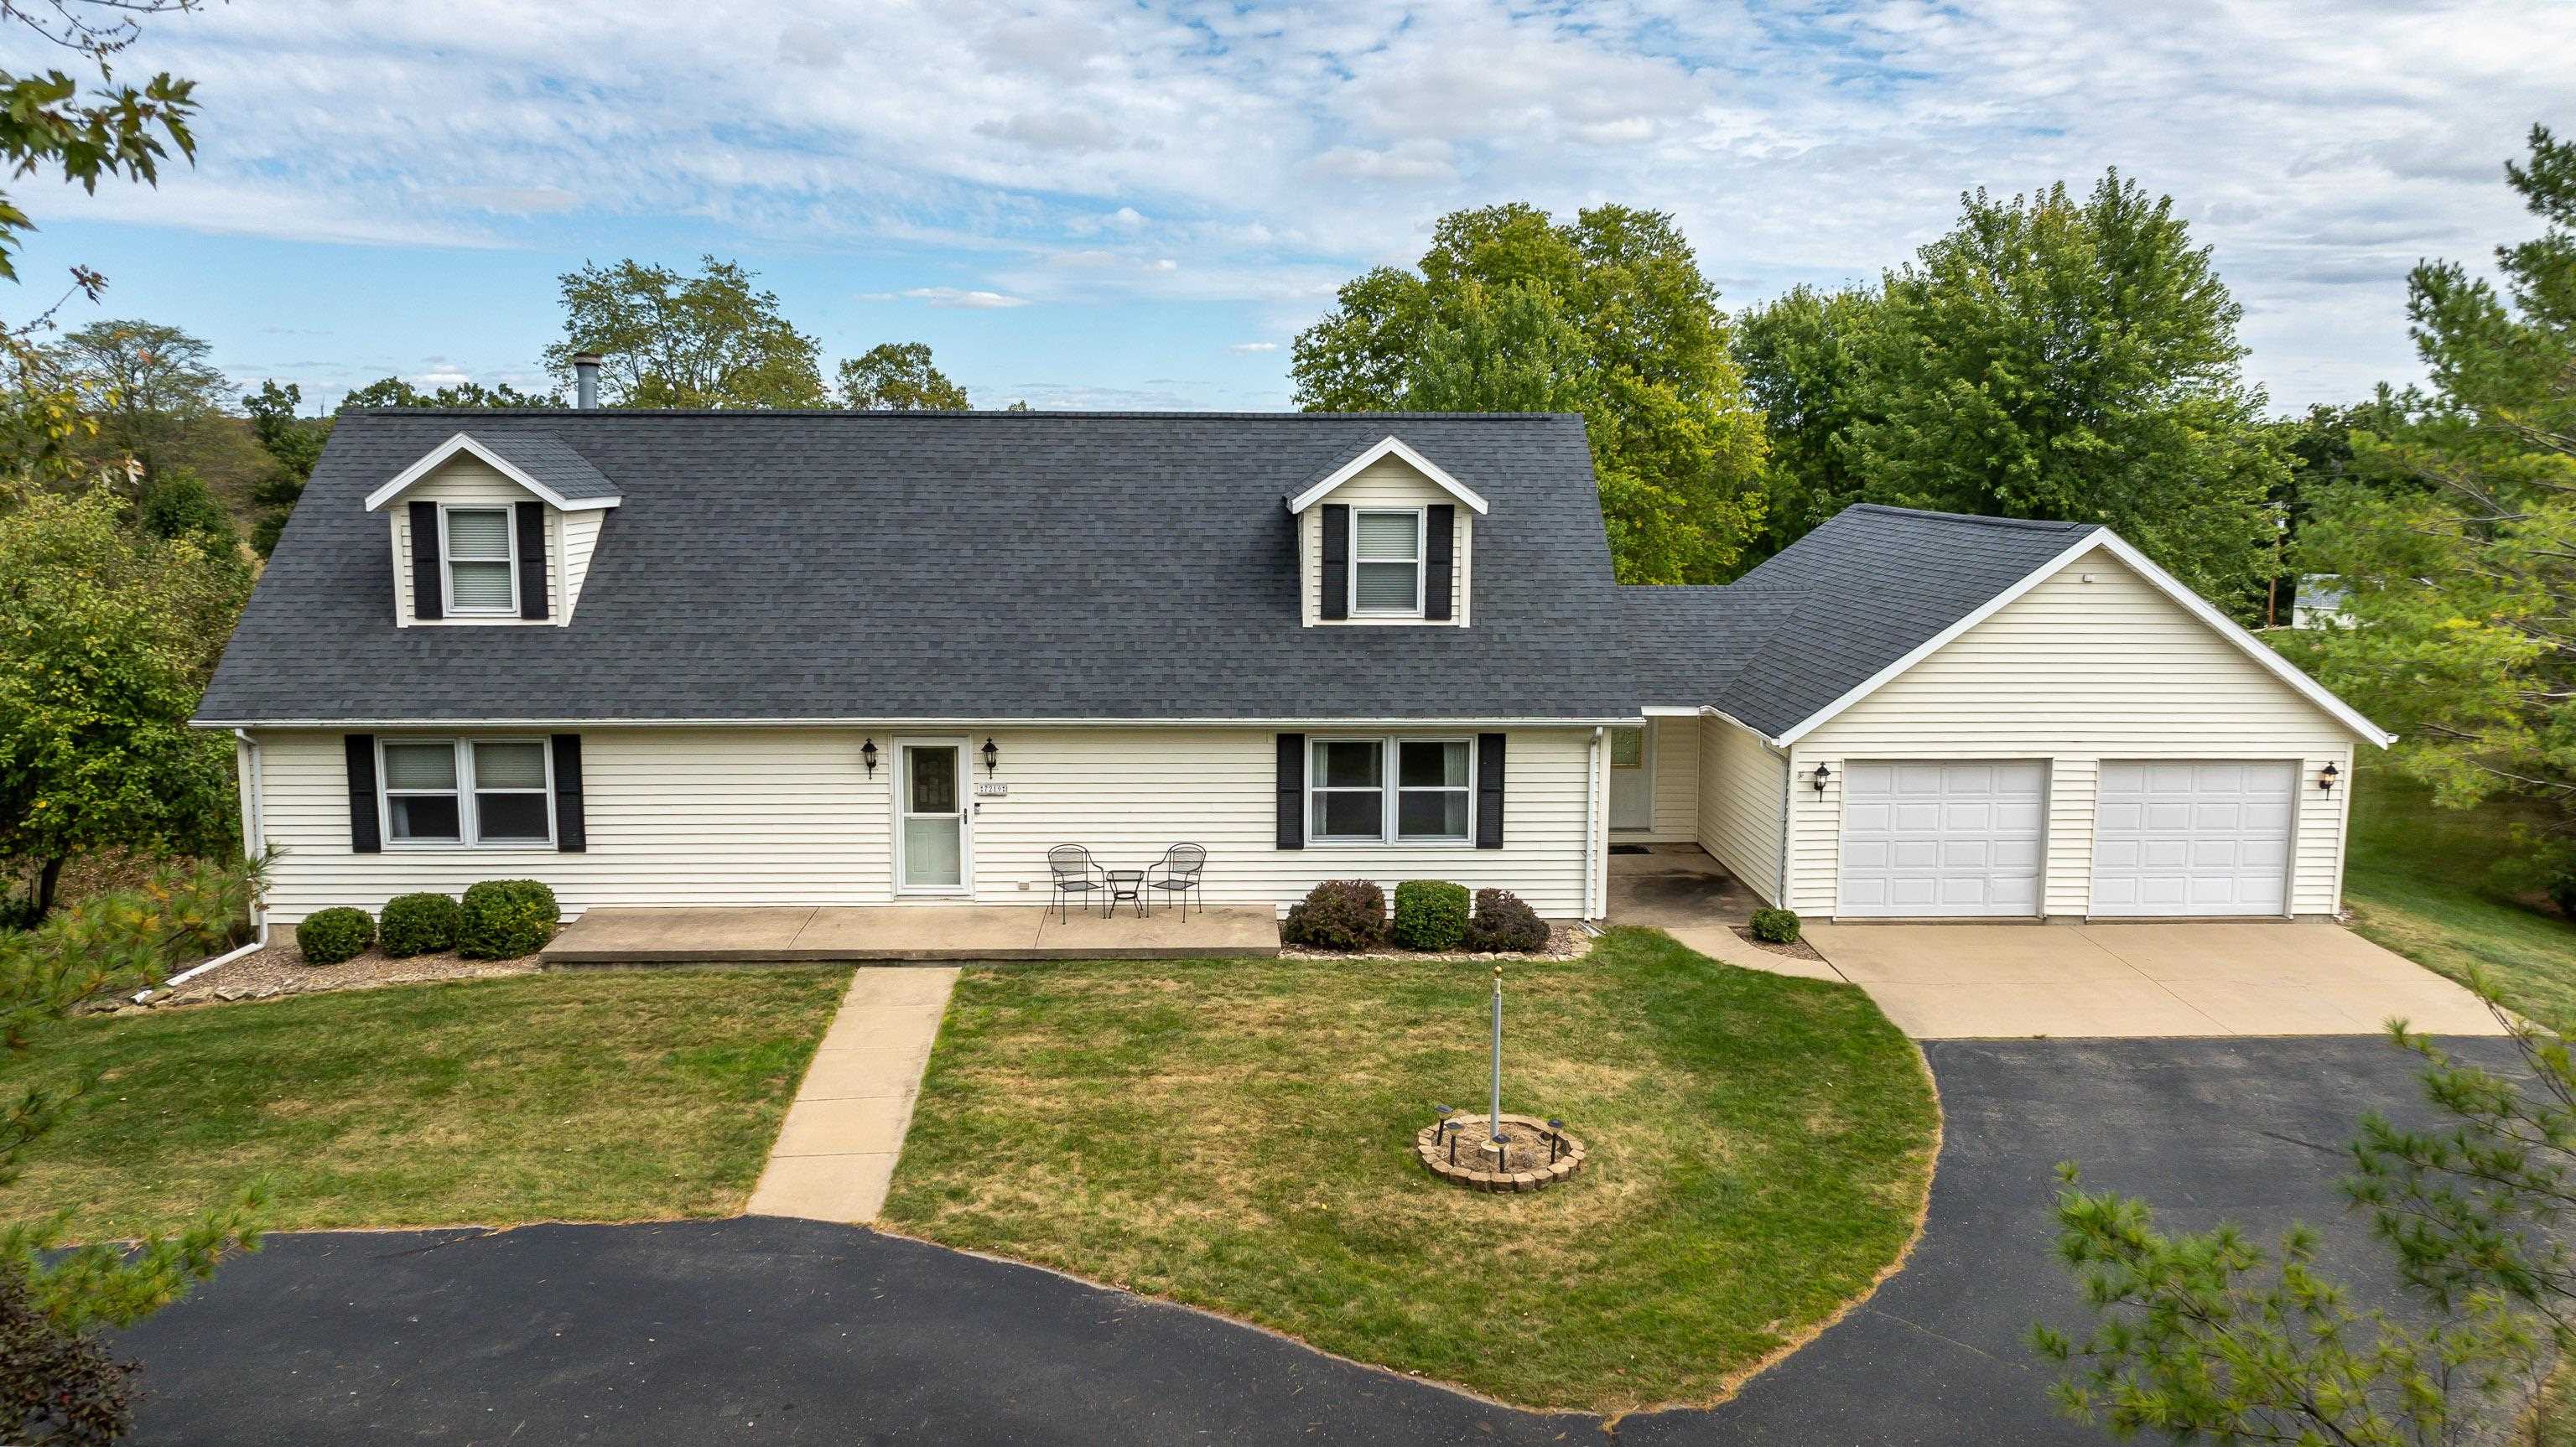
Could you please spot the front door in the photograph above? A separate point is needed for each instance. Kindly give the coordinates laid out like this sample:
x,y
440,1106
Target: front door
x,y
932,843
1632,781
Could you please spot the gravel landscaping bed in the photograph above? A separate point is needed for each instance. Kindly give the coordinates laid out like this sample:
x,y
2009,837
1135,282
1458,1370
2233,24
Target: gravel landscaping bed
x,y
280,970
1794,949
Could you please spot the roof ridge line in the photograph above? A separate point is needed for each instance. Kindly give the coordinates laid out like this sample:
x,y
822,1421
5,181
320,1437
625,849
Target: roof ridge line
x,y
927,414
2052,525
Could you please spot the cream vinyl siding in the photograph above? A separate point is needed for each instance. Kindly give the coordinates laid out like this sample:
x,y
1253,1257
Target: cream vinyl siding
x,y
1388,482
1740,802
1672,759
2091,664
463,481
578,533
789,816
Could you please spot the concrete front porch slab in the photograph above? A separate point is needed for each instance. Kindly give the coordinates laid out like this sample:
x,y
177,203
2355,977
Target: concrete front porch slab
x,y
903,933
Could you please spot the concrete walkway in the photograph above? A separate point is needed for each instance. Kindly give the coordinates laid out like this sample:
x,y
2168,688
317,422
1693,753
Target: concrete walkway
x,y
776,934
837,1147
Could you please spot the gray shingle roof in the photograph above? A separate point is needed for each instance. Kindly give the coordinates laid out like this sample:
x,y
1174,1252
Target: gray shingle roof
x,y
1024,565
549,459
1864,589
980,566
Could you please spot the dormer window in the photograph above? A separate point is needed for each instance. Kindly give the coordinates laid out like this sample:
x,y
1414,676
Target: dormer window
x,y
481,562
1386,566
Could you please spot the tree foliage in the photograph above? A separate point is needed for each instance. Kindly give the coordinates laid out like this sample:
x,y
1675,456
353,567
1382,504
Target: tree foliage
x,y
1608,316
47,122
292,443
2456,537
669,339
2050,357
395,392
107,637
899,377
153,382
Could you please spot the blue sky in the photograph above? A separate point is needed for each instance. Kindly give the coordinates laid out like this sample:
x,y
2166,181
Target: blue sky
x,y
1138,205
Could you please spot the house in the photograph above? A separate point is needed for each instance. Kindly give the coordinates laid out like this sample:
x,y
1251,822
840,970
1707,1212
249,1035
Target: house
x,y
2319,603
692,658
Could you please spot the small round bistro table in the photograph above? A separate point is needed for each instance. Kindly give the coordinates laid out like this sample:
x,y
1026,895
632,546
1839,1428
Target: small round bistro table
x,y
1124,884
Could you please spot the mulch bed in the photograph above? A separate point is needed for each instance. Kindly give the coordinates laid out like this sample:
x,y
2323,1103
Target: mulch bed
x,y
1795,949
1564,942
280,970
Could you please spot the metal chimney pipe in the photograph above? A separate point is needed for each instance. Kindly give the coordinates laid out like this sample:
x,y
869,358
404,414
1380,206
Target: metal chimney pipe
x,y
585,380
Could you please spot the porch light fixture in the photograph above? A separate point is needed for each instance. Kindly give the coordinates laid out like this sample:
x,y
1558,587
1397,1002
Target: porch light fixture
x,y
992,757
1819,777
868,756
2326,780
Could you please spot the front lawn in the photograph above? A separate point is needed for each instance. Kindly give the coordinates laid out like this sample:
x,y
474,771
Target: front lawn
x,y
2416,882
570,1096
1238,1135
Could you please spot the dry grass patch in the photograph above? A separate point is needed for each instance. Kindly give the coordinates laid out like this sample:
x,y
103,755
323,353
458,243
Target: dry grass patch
x,y
600,1097
1760,1151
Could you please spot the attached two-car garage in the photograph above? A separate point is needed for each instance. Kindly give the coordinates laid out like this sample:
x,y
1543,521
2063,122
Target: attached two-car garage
x,y
1956,838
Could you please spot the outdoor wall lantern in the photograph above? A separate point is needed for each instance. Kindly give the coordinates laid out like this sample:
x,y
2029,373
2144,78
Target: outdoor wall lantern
x,y
868,756
992,757
1819,777
2326,780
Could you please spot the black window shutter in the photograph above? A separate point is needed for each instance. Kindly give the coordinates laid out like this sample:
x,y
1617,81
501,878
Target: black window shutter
x,y
1337,561
1489,791
365,835
428,598
1441,521
531,520
571,837
1292,791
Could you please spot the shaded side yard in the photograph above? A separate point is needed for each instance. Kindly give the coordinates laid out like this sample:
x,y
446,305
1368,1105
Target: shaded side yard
x,y
1237,1135
585,1097
2416,882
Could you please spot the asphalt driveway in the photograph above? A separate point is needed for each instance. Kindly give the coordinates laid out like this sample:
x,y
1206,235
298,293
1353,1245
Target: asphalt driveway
x,y
765,1330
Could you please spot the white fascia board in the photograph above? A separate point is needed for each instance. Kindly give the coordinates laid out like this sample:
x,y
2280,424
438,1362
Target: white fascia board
x,y
1392,446
2164,582
462,443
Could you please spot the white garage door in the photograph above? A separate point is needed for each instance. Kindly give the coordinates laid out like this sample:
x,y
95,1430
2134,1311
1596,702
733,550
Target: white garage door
x,y
2192,838
1942,838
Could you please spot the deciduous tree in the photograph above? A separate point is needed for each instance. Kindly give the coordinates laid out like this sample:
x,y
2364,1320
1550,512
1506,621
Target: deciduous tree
x,y
899,377
672,339
154,383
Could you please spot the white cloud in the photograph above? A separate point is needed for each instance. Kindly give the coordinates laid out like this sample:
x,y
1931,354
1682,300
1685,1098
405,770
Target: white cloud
x,y
1249,347
2319,146
949,296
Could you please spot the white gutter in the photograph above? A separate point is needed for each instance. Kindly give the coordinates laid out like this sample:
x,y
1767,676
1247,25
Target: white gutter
x,y
1592,859
253,792
847,721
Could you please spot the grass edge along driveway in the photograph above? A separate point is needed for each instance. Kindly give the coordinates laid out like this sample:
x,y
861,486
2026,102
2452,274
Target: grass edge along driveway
x,y
563,1096
1236,1136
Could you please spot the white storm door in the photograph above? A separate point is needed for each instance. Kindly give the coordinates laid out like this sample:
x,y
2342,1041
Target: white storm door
x,y
1935,837
2181,837
933,843
1632,780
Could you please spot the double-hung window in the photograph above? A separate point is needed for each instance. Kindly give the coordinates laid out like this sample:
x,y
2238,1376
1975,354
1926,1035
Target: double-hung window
x,y
496,793
1386,563
1429,799
480,559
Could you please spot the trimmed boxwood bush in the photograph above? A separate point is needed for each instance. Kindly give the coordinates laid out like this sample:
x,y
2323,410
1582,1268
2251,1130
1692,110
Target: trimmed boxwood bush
x,y
1338,914
328,936
504,919
1430,914
1776,926
418,924
1504,923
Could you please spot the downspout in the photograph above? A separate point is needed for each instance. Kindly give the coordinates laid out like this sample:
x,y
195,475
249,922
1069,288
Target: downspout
x,y
1592,861
254,794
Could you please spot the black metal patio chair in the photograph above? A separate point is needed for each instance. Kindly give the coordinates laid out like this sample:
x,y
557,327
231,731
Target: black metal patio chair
x,y
1072,873
1179,870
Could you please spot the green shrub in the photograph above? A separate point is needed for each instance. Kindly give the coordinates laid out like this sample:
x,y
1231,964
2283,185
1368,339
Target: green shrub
x,y
418,924
1504,923
1338,914
1776,926
1430,914
504,919
331,935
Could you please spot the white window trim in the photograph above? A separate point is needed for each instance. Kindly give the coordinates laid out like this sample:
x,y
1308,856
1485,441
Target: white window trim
x,y
1421,561
468,825
447,562
1391,789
